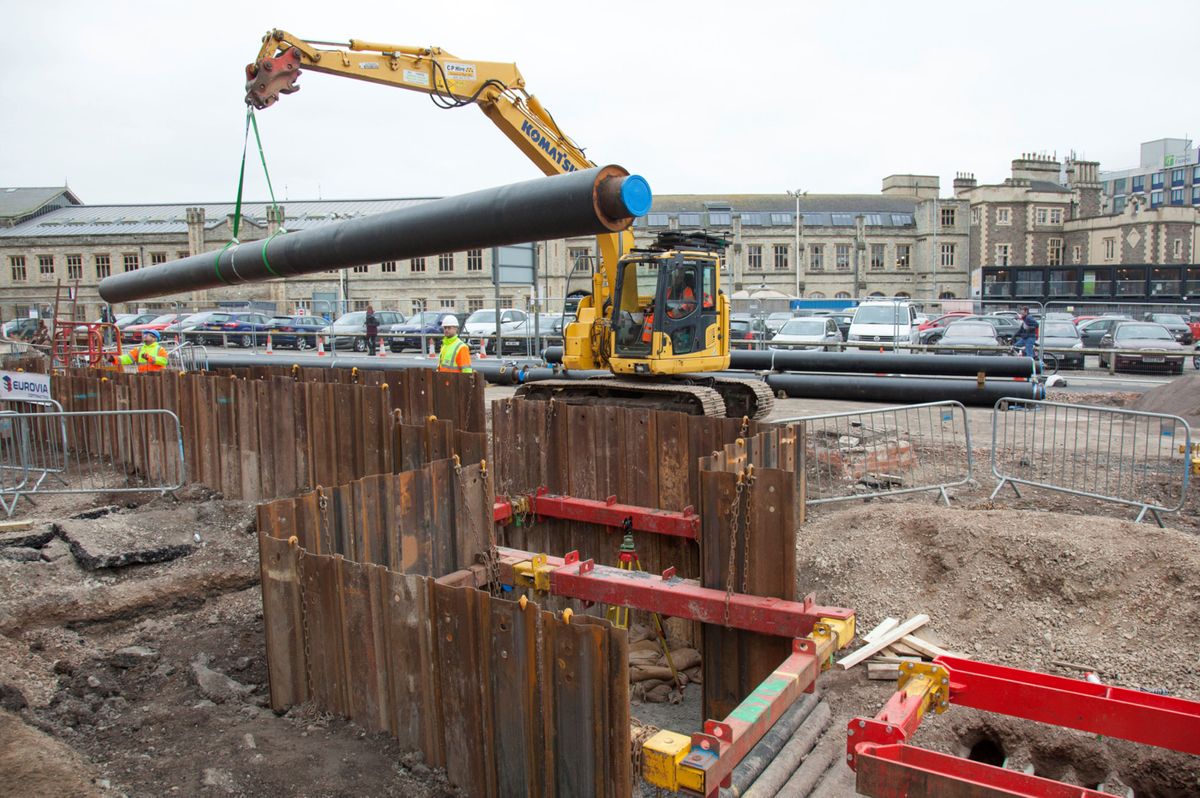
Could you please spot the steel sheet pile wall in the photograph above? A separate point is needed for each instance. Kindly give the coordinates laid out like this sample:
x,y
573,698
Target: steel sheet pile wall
x,y
510,700
758,517
255,436
644,458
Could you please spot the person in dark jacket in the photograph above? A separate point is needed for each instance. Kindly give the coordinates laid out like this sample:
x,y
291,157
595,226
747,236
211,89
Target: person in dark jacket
x,y
372,325
1027,336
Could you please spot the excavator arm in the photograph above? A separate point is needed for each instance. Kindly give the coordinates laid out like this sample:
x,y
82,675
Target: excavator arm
x,y
498,89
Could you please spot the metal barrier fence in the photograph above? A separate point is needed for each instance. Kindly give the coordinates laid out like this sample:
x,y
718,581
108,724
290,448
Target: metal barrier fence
x,y
188,357
886,452
107,451
1124,456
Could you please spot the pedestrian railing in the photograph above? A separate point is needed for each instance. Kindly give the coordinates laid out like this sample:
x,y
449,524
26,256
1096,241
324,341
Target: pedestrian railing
x,y
107,451
886,452
188,357
1124,456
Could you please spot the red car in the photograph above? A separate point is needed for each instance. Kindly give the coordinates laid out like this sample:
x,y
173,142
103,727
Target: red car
x,y
943,320
133,333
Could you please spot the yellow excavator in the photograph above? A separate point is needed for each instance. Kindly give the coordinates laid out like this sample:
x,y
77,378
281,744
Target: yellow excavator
x,y
655,318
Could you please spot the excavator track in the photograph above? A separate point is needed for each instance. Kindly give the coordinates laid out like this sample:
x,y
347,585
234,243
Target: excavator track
x,y
751,398
697,400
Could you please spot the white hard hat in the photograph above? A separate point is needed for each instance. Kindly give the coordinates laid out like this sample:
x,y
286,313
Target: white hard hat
x,y
450,321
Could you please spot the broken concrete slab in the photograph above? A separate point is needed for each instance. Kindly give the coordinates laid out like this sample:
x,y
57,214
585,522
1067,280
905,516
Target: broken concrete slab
x,y
119,539
30,536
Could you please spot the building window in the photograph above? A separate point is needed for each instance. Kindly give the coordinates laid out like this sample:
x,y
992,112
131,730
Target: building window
x,y
781,257
388,267
181,255
1139,184
418,305
751,219
360,304
1110,248
841,295
448,303
948,254
359,270
74,267
1156,180
1118,186
474,260
877,255
1196,195
446,262
720,218
689,220
1196,174
948,217
657,219
46,267
474,303
1156,199
1177,177
417,265
1177,249
975,216
1076,253
17,264
1004,216
781,219
843,257
816,258
754,257
1054,252
1003,254
157,258
1041,216
903,255
1056,215
132,261
1176,196
1118,204
577,257
103,267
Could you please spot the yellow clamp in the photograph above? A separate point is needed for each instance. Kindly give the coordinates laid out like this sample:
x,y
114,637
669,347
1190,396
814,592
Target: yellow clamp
x,y
534,573
927,682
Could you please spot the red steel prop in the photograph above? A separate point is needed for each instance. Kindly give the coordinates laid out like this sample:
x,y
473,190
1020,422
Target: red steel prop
x,y
685,524
876,748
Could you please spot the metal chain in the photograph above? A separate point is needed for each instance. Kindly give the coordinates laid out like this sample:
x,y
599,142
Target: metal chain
x,y
640,733
306,641
733,533
326,526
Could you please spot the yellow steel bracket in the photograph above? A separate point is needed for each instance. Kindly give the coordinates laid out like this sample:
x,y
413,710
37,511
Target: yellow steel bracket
x,y
927,682
534,573
662,759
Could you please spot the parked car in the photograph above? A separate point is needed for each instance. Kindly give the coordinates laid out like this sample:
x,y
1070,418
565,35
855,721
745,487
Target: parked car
x,y
299,332
943,320
520,340
245,328
1155,348
481,325
775,321
884,322
349,331
1093,331
1058,315
963,333
747,332
1064,335
407,335
22,329
1176,324
815,332
132,334
185,329
843,319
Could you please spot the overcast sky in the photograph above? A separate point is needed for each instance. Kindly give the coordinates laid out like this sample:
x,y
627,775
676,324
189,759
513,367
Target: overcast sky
x,y
132,102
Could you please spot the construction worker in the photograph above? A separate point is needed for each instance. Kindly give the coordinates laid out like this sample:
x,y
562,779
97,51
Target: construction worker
x,y
456,355
149,356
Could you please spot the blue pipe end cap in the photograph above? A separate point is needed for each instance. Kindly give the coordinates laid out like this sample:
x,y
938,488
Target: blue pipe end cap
x,y
635,193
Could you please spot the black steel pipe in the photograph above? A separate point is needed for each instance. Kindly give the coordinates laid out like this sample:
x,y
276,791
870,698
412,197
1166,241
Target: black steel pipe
x,y
876,363
589,202
902,389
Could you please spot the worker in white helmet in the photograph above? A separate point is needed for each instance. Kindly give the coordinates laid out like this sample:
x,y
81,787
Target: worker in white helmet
x,y
456,355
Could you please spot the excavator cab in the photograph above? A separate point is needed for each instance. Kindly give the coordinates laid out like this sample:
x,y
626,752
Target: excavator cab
x,y
666,300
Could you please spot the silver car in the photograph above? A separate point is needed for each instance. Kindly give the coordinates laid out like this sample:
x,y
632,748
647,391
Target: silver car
x,y
813,332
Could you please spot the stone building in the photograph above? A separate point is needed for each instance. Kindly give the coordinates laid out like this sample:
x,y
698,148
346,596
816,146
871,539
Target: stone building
x,y
1048,232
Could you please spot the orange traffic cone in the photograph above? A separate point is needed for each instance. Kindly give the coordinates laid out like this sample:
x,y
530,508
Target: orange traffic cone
x,y
432,351
382,347
270,350
320,346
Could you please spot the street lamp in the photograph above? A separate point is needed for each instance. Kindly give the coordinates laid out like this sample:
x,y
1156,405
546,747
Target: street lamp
x,y
797,194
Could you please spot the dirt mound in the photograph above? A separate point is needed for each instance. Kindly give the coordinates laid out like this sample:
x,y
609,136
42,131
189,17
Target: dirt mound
x,y
1020,588
34,763
1179,397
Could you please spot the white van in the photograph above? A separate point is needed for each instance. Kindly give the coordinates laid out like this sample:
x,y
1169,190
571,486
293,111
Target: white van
x,y
884,322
